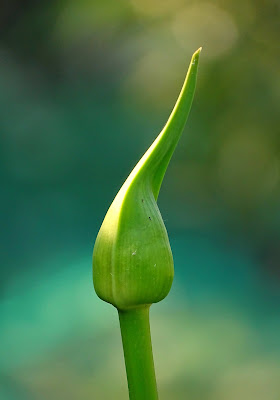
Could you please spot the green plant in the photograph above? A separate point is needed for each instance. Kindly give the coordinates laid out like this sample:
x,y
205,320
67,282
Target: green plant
x,y
132,258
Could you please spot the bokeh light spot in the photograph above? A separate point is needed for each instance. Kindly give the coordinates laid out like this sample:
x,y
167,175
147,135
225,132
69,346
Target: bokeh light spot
x,y
205,25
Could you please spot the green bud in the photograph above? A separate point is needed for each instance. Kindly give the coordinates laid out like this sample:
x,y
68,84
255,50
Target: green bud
x,y
132,258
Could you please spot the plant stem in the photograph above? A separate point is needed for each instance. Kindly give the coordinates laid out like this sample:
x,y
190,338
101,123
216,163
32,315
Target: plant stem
x,y
137,346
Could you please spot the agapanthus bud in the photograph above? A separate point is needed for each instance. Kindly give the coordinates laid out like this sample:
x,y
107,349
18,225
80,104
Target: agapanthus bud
x,y
132,258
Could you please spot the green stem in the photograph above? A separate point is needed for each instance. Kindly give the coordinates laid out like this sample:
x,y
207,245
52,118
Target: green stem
x,y
137,346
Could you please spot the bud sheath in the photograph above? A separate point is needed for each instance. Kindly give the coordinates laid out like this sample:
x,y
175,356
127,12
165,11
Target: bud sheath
x,y
132,258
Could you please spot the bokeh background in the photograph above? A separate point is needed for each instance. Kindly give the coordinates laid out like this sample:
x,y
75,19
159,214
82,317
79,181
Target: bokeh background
x,y
85,88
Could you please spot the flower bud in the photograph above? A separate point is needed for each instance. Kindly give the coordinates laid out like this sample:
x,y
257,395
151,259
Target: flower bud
x,y
132,258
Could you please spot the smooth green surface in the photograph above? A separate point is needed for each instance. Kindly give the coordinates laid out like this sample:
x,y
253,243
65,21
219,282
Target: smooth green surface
x,y
137,346
132,258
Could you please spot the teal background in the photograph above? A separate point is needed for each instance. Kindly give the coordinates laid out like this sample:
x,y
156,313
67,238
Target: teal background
x,y
85,88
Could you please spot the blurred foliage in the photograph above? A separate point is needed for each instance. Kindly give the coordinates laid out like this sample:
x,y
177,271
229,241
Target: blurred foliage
x,y
85,88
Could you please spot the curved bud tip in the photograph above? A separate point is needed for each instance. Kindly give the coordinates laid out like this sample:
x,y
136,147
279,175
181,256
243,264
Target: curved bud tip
x,y
197,52
195,56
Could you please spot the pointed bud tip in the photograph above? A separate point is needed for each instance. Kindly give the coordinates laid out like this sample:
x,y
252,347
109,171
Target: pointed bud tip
x,y
196,54
195,57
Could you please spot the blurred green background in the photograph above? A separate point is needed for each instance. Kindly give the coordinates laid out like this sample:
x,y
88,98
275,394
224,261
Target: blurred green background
x,y
85,88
